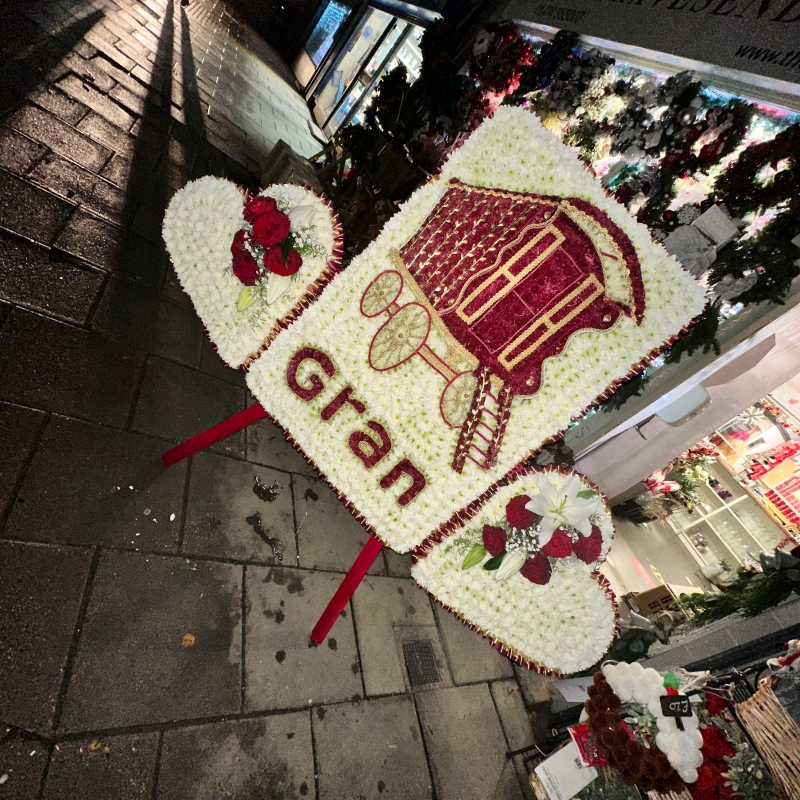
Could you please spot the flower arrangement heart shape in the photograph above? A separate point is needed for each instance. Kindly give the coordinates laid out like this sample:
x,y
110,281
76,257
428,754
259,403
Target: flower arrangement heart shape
x,y
526,574
250,264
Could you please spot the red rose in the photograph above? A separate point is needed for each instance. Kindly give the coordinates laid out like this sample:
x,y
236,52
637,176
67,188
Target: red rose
x,y
245,267
537,569
271,228
715,705
258,206
273,261
715,744
588,548
517,515
494,540
559,546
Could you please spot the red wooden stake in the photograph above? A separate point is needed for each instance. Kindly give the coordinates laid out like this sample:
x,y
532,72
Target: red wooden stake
x,y
214,434
345,591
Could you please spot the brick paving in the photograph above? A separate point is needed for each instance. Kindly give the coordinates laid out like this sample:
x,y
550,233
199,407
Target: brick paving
x,y
150,644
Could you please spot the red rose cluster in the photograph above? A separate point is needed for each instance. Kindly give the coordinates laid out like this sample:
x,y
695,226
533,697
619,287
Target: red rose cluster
x,y
537,569
711,782
271,235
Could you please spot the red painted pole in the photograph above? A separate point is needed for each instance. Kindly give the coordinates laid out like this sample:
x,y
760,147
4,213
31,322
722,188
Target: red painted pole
x,y
214,434
345,591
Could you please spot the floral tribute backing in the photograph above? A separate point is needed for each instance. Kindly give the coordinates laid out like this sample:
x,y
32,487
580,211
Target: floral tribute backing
x,y
505,298
523,571
250,264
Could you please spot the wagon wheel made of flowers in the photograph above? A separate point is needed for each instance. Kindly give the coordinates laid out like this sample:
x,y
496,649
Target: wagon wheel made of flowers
x,y
400,337
381,293
457,398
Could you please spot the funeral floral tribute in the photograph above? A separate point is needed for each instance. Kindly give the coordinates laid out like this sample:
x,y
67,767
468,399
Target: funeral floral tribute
x,y
250,264
523,571
388,383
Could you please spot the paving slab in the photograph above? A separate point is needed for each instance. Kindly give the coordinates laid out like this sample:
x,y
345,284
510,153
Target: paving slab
x,y
466,746
514,718
210,362
177,402
271,757
329,536
108,246
471,657
388,612
284,669
161,641
19,428
105,132
267,445
371,749
30,276
23,760
66,108
41,588
18,153
30,211
239,510
118,767
61,138
79,185
133,315
78,490
49,365
398,565
97,101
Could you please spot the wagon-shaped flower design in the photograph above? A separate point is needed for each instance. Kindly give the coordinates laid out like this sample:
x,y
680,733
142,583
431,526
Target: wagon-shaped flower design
x,y
507,279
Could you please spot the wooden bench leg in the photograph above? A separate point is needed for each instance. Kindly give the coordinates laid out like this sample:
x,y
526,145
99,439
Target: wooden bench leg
x,y
214,434
345,591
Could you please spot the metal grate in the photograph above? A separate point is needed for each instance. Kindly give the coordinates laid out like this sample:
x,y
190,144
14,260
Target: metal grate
x,y
420,663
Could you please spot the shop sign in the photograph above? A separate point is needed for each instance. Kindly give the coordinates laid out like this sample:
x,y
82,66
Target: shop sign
x,y
760,36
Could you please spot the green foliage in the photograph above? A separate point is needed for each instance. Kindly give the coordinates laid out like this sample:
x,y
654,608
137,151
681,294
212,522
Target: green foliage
x,y
702,334
632,388
752,594
771,253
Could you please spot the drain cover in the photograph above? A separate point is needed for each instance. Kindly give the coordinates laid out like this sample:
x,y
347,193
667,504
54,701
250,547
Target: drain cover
x,y
420,663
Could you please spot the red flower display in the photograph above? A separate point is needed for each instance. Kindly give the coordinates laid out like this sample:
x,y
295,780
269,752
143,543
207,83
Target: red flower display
x,y
245,267
517,515
559,546
271,228
715,705
588,548
257,207
494,540
537,569
274,261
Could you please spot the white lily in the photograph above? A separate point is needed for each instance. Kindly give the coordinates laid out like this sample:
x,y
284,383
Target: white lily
x,y
563,505
277,286
511,564
302,215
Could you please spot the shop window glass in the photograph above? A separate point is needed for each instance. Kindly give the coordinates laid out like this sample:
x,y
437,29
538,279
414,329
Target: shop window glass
x,y
321,38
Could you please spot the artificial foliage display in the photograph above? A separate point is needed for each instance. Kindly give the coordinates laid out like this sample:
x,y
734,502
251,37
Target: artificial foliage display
x,y
752,593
